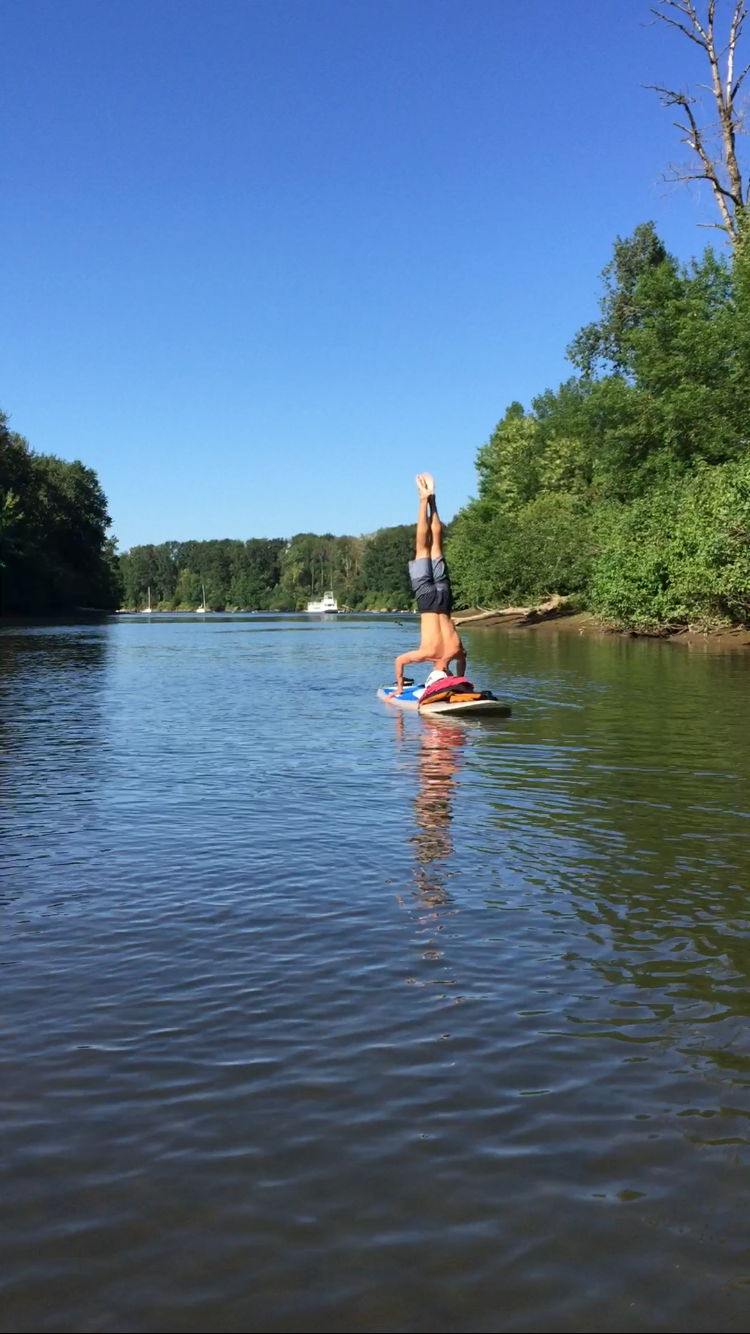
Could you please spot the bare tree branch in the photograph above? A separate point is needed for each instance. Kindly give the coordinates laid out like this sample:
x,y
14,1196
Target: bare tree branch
x,y
738,18
694,138
688,11
664,18
687,8
687,176
738,82
719,162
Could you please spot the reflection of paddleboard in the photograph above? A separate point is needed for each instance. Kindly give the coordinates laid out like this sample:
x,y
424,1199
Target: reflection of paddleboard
x,y
410,699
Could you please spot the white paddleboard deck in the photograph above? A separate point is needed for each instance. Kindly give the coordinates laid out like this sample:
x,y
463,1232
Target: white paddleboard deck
x,y
476,708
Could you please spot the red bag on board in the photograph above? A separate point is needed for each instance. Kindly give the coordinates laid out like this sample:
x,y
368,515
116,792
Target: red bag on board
x,y
447,685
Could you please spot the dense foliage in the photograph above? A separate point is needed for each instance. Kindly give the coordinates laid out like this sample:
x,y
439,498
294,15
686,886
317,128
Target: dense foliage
x,y
273,574
55,555
630,484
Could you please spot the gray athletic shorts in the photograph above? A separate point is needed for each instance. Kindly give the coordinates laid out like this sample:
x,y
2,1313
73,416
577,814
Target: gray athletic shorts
x,y
431,584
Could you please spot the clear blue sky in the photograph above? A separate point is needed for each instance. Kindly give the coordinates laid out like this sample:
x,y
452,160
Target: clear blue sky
x,y
263,260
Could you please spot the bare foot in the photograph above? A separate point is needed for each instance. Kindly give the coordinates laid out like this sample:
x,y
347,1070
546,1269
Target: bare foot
x,y
425,485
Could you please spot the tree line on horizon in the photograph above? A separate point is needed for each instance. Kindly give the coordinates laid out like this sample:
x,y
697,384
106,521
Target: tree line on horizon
x,y
57,557
272,574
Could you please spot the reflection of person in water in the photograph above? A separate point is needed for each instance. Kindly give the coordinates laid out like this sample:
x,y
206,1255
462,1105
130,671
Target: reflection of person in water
x,y
438,764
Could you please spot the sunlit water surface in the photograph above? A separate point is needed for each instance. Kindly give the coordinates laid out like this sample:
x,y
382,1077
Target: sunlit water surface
x,y
316,1017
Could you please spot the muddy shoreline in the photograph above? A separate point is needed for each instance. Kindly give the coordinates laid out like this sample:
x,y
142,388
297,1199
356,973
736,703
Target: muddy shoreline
x,y
726,640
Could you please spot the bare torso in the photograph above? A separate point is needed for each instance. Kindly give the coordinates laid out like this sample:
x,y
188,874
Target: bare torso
x,y
440,644
439,639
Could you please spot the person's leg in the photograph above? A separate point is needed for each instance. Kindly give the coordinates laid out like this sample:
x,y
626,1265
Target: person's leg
x,y
439,569
420,569
436,531
424,530
424,526
440,574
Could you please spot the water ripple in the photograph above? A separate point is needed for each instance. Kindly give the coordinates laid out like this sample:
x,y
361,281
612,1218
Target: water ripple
x,y
321,1018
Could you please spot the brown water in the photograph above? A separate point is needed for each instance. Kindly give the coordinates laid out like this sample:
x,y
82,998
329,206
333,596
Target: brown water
x,y
321,1018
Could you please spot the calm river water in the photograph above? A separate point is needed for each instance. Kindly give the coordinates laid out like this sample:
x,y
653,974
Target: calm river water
x,y
319,1018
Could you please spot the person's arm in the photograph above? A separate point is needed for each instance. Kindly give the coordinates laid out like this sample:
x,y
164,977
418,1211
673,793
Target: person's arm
x,y
461,661
416,655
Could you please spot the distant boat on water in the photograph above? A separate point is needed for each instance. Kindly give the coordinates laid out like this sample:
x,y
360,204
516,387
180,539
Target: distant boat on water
x,y
146,611
200,611
327,604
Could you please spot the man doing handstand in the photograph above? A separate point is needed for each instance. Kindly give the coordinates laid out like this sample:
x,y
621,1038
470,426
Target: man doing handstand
x,y
429,580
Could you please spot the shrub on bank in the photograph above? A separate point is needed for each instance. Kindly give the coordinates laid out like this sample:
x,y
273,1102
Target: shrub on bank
x,y
499,557
678,555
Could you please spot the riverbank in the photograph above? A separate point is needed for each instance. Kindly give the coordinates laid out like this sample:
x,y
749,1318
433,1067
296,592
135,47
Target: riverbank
x,y
546,620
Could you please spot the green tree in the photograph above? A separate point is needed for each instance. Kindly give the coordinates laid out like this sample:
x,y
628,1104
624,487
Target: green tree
x,y
56,552
385,567
607,341
601,486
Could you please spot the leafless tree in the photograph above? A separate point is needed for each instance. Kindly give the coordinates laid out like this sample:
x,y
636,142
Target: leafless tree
x,y
712,143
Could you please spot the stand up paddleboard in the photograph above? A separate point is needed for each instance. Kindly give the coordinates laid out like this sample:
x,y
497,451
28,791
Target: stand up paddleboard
x,y
412,696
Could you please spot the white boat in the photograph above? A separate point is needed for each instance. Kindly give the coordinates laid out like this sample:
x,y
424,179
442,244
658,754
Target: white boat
x,y
201,611
328,603
146,611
